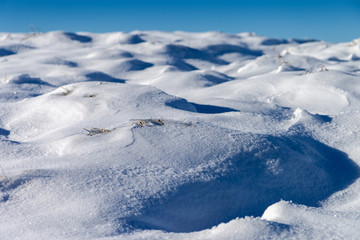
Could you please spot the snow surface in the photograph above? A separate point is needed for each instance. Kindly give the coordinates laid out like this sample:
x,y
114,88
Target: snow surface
x,y
157,135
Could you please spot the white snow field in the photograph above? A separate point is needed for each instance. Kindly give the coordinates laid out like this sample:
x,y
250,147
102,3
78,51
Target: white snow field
x,y
159,135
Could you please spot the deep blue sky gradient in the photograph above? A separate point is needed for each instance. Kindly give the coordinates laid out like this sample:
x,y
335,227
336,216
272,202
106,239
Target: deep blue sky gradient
x,y
330,20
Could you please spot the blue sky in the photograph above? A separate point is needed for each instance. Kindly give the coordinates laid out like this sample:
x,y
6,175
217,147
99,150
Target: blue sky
x,y
330,20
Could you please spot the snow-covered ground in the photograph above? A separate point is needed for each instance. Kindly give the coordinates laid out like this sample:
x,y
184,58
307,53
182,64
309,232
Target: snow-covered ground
x,y
156,135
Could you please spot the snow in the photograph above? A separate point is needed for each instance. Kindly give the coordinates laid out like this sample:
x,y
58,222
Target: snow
x,y
176,135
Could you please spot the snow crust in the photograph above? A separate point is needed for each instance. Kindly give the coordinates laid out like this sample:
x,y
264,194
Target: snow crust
x,y
176,135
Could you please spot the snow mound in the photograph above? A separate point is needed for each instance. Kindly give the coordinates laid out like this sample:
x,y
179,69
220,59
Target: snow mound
x,y
296,168
131,39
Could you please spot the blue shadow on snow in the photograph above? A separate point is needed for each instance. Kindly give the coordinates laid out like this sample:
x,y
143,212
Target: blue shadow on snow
x,y
182,104
4,132
77,37
102,77
296,168
27,79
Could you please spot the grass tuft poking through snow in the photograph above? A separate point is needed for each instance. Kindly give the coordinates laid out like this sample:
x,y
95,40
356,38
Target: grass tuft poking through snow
x,y
94,131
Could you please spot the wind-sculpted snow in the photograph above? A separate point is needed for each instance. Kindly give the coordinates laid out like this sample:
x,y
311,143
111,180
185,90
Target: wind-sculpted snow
x,y
178,51
158,135
295,168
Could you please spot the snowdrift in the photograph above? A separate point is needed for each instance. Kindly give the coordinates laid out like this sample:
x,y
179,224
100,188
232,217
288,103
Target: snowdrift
x,y
156,135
